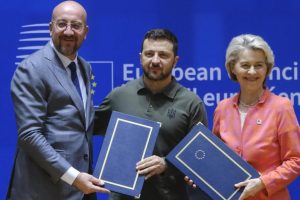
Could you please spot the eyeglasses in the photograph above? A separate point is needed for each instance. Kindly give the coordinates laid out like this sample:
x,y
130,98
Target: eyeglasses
x,y
63,25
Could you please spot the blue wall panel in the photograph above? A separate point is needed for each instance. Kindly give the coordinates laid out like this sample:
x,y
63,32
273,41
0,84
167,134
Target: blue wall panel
x,y
204,29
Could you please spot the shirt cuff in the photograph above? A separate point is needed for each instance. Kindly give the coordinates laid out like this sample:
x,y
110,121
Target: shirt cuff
x,y
70,175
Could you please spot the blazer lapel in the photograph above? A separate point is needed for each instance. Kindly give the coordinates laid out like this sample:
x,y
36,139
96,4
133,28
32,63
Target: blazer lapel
x,y
89,102
62,77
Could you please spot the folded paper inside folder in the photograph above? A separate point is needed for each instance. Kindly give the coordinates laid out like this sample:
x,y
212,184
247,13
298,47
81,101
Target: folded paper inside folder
x,y
212,165
128,139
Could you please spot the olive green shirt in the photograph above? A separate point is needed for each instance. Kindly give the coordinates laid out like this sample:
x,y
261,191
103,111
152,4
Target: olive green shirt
x,y
178,110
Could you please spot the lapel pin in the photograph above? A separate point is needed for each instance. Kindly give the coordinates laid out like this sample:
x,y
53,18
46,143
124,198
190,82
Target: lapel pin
x,y
258,122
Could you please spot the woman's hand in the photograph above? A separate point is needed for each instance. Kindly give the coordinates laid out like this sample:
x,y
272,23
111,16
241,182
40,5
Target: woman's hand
x,y
252,187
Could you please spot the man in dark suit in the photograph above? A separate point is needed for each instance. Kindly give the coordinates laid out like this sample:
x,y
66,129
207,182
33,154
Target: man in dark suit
x,y
54,112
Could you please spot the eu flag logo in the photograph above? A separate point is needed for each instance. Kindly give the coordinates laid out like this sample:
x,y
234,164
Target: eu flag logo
x,y
102,80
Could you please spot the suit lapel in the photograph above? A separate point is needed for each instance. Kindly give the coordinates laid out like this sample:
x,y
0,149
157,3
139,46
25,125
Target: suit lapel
x,y
61,74
89,102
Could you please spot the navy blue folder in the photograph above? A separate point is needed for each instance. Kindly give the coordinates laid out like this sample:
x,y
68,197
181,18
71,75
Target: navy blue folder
x,y
211,164
128,139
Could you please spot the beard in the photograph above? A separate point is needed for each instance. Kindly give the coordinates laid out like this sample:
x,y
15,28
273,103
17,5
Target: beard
x,y
155,77
158,75
67,48
66,51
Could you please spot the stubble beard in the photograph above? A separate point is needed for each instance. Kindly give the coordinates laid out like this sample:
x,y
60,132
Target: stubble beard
x,y
156,77
67,50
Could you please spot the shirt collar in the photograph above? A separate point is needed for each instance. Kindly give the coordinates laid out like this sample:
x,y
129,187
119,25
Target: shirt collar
x,y
65,60
263,98
169,91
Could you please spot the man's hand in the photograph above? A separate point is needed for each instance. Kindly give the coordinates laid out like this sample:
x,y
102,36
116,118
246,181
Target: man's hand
x,y
190,182
87,184
252,187
151,166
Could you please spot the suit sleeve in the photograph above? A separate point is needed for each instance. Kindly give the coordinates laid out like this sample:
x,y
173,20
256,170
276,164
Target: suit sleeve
x,y
289,140
29,95
216,122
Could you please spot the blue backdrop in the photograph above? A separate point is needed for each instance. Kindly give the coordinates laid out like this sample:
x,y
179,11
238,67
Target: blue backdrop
x,y
204,29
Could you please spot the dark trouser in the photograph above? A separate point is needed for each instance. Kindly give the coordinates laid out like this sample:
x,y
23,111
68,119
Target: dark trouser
x,y
92,196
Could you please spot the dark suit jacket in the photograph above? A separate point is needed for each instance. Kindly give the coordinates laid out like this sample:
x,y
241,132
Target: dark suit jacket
x,y
54,130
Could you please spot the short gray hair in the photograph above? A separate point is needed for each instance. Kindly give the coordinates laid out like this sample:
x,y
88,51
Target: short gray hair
x,y
247,41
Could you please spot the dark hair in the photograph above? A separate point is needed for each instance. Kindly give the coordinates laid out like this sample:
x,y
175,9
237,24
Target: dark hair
x,y
162,34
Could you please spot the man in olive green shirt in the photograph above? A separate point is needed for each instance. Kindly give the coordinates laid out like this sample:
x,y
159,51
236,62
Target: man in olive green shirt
x,y
157,96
